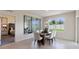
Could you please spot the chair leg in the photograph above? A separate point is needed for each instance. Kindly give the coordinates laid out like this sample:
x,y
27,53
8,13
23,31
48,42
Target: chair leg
x,y
49,41
34,42
52,40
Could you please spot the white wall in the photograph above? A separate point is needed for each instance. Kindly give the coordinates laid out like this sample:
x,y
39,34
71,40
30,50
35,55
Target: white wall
x,y
69,26
78,29
18,28
77,25
0,30
77,13
19,31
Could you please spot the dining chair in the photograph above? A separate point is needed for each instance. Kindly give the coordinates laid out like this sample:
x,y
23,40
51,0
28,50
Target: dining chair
x,y
54,35
41,30
37,37
37,31
50,37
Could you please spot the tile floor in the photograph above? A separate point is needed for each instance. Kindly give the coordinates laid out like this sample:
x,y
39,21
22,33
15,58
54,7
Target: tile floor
x,y
29,44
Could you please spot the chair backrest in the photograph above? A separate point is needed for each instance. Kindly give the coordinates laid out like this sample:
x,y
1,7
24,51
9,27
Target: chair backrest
x,y
37,31
36,36
41,30
54,33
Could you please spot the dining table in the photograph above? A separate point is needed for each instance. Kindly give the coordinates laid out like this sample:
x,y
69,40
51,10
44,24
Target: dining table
x,y
43,37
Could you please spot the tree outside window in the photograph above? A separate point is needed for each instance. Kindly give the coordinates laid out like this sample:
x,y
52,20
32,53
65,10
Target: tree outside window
x,y
56,24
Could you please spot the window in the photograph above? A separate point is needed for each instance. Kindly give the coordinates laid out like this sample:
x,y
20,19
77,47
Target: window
x,y
56,24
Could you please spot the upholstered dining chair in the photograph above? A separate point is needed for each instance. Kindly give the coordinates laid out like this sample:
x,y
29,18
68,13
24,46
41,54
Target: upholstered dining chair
x,y
37,37
54,35
41,31
51,37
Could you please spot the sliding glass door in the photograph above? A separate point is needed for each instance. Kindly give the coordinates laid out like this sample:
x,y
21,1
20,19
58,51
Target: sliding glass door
x,y
36,24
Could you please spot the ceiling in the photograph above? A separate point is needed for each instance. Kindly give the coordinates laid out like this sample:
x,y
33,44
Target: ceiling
x,y
41,13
